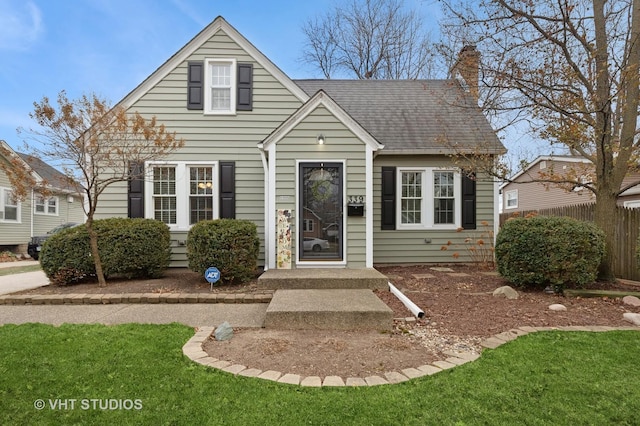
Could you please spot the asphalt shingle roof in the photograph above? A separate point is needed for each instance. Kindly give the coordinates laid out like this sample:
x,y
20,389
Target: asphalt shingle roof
x,y
412,116
52,176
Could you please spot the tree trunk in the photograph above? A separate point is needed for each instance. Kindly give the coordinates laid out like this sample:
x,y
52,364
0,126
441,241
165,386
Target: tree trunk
x,y
605,210
95,253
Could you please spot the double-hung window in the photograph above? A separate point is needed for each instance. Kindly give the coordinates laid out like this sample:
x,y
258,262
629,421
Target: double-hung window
x,y
182,193
46,206
220,86
307,225
9,206
429,198
511,199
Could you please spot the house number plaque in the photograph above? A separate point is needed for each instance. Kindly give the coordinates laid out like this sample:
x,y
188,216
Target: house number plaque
x,y
356,199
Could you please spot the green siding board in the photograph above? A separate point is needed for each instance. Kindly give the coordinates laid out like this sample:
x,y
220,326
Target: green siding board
x,y
216,137
408,246
300,144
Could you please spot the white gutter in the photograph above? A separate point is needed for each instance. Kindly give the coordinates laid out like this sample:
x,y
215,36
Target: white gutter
x,y
415,310
267,210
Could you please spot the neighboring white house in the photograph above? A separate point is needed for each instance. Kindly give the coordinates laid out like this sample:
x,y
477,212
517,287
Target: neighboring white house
x,y
37,214
367,160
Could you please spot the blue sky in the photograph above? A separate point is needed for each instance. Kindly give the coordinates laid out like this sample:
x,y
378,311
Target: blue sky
x,y
110,46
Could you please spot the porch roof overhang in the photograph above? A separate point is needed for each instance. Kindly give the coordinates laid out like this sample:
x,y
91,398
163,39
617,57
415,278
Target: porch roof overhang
x,y
320,99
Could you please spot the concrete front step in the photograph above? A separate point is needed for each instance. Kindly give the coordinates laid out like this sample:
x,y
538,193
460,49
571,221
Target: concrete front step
x,y
328,309
323,278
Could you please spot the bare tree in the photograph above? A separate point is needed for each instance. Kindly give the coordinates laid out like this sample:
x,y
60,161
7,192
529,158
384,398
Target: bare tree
x,y
369,39
95,146
570,68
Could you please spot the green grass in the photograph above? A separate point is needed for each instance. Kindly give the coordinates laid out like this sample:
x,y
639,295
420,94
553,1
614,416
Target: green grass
x,y
572,378
19,269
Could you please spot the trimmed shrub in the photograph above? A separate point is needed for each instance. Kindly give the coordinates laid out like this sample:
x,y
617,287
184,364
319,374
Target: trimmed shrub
x,y
134,248
540,251
66,256
128,247
231,245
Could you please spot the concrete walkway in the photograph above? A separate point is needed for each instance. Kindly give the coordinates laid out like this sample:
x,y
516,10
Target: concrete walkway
x,y
193,314
23,281
238,315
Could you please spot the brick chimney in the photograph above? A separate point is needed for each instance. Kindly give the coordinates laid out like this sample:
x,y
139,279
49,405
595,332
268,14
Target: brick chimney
x,y
467,69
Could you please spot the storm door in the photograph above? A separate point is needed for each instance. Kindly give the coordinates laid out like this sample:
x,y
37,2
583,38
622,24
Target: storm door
x,y
320,218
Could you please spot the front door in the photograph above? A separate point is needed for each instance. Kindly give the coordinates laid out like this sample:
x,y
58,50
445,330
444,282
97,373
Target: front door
x,y
321,204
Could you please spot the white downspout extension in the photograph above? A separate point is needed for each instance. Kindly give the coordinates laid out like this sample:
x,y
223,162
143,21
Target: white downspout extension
x,y
415,310
267,211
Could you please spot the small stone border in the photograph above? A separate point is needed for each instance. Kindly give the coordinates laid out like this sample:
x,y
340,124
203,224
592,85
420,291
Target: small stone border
x,y
106,299
193,350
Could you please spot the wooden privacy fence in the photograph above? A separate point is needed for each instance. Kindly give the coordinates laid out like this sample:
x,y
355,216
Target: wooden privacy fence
x,y
626,234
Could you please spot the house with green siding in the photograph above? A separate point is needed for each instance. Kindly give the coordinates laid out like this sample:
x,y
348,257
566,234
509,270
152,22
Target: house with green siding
x,y
335,173
39,211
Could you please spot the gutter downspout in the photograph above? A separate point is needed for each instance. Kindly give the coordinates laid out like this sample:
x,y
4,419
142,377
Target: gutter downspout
x,y
31,208
415,310
267,221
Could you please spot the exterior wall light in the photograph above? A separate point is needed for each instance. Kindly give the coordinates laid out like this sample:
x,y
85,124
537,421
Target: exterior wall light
x,y
320,139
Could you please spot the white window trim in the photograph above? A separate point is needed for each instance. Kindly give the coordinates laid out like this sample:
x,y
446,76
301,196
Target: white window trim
x,y
207,86
506,199
308,225
427,207
3,192
633,204
182,190
45,204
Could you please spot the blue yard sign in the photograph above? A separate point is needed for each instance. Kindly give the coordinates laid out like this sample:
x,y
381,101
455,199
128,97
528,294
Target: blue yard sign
x,y
212,275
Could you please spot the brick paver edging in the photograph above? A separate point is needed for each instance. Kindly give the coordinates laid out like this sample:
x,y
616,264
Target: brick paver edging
x,y
104,299
193,350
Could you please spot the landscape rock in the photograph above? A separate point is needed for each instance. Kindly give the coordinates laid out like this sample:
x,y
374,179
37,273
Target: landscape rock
x,y
632,318
631,301
506,291
223,332
557,307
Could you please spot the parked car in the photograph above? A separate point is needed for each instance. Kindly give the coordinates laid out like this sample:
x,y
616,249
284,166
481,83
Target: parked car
x,y
315,244
35,245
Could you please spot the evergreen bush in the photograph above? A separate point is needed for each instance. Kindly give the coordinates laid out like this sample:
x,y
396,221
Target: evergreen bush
x,y
541,251
231,245
132,248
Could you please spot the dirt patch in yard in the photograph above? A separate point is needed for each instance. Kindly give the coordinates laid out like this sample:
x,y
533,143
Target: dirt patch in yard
x,y
460,312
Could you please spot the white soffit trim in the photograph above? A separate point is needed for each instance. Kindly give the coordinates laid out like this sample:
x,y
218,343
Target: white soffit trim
x,y
218,24
321,98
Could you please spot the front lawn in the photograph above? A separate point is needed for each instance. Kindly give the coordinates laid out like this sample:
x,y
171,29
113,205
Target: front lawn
x,y
136,374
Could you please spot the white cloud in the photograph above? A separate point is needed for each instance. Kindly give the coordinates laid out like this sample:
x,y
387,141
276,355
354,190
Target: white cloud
x,y
20,24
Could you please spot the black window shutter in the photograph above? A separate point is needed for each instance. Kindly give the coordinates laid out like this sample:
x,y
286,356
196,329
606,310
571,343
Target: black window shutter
x,y
227,190
468,201
195,82
135,196
245,87
388,198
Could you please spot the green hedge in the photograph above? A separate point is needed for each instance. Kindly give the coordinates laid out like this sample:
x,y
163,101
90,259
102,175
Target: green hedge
x,y
541,251
231,245
133,248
